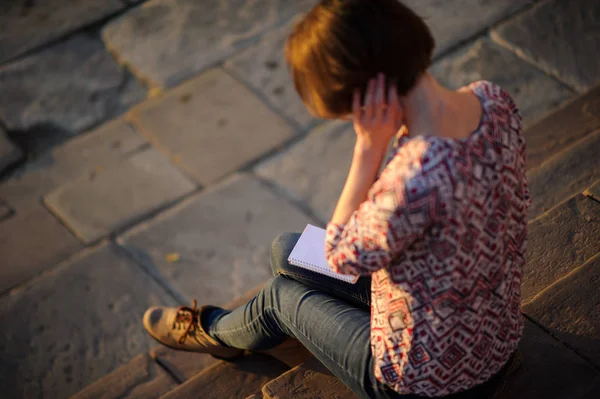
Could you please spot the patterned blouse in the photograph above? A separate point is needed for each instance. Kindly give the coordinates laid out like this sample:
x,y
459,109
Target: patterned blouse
x,y
443,234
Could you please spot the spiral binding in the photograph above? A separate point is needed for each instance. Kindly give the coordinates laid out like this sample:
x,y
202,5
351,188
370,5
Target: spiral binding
x,y
329,273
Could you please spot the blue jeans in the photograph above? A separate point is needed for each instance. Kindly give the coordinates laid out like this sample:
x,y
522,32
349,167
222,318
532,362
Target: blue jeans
x,y
330,318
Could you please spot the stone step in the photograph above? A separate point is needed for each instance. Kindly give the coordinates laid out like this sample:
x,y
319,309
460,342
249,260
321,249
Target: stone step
x,y
559,241
563,127
141,378
569,309
548,370
565,174
236,379
310,380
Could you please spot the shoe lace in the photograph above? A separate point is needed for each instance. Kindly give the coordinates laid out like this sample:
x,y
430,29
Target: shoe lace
x,y
185,314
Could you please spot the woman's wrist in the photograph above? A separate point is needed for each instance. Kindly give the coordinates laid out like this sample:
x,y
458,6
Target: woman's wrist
x,y
368,156
368,149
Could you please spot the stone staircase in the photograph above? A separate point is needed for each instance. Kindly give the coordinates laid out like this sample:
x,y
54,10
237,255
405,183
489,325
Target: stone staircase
x,y
561,342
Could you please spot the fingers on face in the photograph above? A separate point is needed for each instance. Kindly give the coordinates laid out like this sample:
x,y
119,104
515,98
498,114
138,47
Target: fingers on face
x,y
378,105
392,101
370,99
380,98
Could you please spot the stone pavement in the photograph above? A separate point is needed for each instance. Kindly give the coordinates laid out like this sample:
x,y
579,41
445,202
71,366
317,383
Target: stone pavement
x,y
151,150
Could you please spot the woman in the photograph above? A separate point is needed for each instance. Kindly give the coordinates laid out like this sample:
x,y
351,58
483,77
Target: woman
x,y
438,238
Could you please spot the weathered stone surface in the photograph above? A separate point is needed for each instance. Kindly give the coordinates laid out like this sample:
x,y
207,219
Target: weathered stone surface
x,y
559,241
569,309
568,173
561,37
236,379
9,153
315,169
563,127
549,370
454,21
110,143
310,380
263,67
25,25
181,365
198,34
108,200
593,191
533,91
31,240
141,378
222,236
74,325
64,90
212,126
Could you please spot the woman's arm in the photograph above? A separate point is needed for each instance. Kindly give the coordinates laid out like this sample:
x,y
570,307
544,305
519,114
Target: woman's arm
x,y
365,165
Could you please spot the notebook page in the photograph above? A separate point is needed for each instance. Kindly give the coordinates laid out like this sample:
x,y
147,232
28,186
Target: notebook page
x,y
309,253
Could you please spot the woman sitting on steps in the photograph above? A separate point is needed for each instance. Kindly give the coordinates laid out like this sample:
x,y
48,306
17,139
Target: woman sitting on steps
x,y
438,237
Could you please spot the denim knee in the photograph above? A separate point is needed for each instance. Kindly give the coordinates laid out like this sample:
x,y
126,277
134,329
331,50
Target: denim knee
x,y
280,251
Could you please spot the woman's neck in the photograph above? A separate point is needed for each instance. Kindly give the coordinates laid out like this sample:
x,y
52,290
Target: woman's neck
x,y
432,110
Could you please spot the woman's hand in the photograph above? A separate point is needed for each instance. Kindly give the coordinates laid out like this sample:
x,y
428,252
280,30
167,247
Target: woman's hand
x,y
379,119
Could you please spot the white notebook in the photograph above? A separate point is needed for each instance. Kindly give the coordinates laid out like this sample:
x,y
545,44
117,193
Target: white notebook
x,y
309,253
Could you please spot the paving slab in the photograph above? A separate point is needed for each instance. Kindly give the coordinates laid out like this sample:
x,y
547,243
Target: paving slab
x,y
211,126
236,379
534,92
264,68
108,200
560,241
559,36
310,380
454,21
142,378
99,148
567,173
9,152
64,90
593,191
30,24
222,239
563,127
31,240
74,325
569,309
198,34
549,369
314,170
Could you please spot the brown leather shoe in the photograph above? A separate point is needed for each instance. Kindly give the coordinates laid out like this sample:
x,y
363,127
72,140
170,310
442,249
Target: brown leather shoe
x,y
180,328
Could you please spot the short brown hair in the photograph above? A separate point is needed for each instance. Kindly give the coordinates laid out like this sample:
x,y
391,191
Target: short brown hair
x,y
341,44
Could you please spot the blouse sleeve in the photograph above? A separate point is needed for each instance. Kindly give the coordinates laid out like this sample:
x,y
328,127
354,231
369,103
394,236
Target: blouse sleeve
x,y
389,221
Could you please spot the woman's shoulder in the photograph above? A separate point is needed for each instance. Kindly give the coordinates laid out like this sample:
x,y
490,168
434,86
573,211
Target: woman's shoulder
x,y
491,93
417,156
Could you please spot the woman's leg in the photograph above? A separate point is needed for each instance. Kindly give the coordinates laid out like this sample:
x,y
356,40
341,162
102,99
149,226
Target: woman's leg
x,y
337,333
358,294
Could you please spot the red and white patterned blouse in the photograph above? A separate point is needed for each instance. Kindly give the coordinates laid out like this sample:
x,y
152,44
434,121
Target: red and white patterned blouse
x,y
443,234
